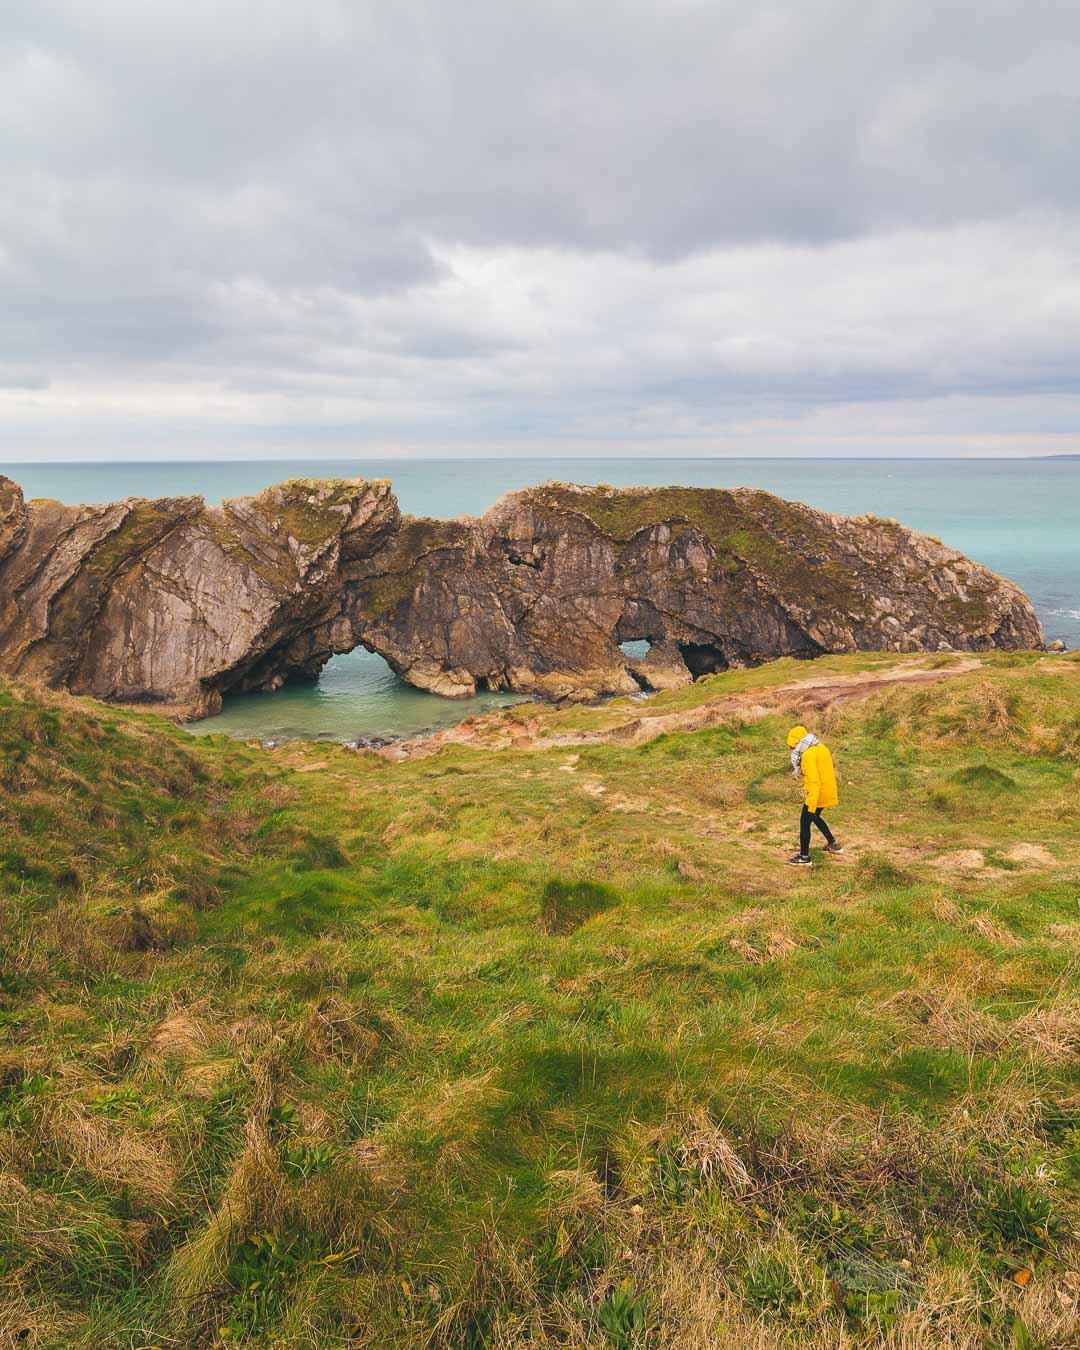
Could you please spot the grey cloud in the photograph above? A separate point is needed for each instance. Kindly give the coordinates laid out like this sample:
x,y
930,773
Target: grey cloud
x,y
659,127
499,219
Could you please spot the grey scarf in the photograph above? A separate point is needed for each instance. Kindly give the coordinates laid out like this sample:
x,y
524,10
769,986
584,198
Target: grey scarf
x,y
796,755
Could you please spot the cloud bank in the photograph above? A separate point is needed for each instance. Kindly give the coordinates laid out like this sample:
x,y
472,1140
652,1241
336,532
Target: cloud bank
x,y
257,227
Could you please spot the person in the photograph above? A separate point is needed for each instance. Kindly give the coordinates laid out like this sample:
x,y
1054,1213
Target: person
x,y
811,759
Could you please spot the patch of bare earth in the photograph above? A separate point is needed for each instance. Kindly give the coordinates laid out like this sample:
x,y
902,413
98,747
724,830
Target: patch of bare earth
x,y
962,860
813,695
1030,855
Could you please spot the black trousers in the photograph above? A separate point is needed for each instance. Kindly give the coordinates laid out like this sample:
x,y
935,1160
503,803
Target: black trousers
x,y
804,828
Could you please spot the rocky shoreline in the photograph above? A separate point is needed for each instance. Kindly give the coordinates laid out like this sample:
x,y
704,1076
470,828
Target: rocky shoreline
x,y
174,603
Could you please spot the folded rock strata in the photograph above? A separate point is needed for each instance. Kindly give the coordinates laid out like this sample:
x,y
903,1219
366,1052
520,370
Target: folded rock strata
x,y
176,602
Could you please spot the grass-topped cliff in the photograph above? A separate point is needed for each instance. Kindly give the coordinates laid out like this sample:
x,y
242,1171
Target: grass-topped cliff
x,y
795,547
172,604
546,1047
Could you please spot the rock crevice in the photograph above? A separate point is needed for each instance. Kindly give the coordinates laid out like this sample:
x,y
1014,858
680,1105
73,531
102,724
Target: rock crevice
x,y
176,602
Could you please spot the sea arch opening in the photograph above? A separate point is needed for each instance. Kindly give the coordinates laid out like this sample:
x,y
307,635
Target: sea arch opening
x,y
356,698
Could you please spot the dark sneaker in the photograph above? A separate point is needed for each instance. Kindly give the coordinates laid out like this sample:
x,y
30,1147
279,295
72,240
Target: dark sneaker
x,y
800,860
834,847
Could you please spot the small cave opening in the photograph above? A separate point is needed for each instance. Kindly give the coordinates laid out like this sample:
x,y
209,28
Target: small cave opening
x,y
298,678
702,658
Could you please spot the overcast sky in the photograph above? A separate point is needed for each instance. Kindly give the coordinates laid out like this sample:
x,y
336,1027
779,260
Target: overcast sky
x,y
289,227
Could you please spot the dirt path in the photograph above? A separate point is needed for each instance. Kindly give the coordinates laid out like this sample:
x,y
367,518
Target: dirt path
x,y
495,732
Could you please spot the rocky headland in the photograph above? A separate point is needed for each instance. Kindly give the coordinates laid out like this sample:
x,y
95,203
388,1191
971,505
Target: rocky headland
x,y
174,602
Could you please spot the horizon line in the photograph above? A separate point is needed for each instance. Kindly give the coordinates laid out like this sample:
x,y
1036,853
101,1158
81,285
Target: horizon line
x,y
519,459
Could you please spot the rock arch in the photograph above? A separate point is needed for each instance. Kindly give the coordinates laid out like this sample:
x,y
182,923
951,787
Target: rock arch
x,y
175,602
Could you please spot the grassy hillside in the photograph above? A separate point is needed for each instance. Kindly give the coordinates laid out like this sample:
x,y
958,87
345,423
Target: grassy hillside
x,y
546,1047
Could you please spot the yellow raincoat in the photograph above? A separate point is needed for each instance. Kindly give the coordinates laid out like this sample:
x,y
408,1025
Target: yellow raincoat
x,y
819,776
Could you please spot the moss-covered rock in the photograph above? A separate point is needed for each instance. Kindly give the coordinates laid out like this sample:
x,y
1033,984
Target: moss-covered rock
x,y
174,602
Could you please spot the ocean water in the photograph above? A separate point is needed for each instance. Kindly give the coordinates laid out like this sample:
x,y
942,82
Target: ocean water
x,y
1019,517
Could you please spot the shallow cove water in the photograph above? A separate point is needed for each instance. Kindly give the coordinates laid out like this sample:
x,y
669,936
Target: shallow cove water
x,y
1019,517
357,698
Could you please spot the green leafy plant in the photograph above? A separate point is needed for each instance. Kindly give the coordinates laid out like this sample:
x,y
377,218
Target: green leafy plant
x,y
17,1100
873,1305
670,1178
1016,1216
307,1160
837,1228
1057,1120
116,1102
769,1285
622,1316
282,1117
260,1274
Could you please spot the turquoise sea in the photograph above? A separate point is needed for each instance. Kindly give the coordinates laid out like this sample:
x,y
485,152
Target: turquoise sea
x,y
1019,517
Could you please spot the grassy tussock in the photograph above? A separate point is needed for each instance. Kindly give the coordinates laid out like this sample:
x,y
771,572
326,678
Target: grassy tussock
x,y
948,1020
252,1190
115,1156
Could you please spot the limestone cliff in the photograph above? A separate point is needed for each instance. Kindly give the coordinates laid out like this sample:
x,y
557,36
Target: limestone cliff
x,y
172,601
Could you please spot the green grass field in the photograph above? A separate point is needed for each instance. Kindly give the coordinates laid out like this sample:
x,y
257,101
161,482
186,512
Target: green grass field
x,y
546,1047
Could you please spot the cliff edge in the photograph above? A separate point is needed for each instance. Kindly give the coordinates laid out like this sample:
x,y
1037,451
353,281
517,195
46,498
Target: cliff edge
x,y
176,602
